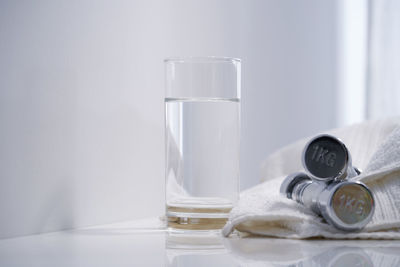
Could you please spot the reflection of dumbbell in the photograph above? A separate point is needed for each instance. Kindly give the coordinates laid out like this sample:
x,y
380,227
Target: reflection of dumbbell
x,y
339,256
347,205
326,158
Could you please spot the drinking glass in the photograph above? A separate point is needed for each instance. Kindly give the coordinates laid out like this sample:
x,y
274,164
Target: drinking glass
x,y
202,132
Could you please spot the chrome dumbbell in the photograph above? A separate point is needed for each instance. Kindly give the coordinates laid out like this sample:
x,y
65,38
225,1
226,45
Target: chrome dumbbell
x,y
347,205
326,158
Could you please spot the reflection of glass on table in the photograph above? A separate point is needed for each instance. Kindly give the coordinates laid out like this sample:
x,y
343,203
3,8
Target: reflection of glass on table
x,y
197,251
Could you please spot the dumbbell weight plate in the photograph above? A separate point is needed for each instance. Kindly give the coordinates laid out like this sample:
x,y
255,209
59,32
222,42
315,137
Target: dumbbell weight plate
x,y
348,206
352,203
325,157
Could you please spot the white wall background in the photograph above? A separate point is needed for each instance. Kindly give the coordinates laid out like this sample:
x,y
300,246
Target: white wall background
x,y
81,97
384,59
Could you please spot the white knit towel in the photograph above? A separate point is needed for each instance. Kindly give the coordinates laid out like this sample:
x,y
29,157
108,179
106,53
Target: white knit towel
x,y
375,149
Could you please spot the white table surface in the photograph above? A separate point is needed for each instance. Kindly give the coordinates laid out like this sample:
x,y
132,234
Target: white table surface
x,y
145,243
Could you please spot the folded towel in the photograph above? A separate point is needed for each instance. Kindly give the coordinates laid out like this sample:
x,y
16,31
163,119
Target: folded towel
x,y
375,149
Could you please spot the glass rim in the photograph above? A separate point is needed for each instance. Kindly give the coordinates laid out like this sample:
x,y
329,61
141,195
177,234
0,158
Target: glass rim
x,y
201,59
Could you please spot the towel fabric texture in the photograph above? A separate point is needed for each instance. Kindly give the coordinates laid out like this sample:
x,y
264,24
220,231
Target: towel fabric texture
x,y
375,149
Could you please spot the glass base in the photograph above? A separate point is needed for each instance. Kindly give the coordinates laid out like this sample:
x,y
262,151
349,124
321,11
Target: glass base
x,y
198,219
